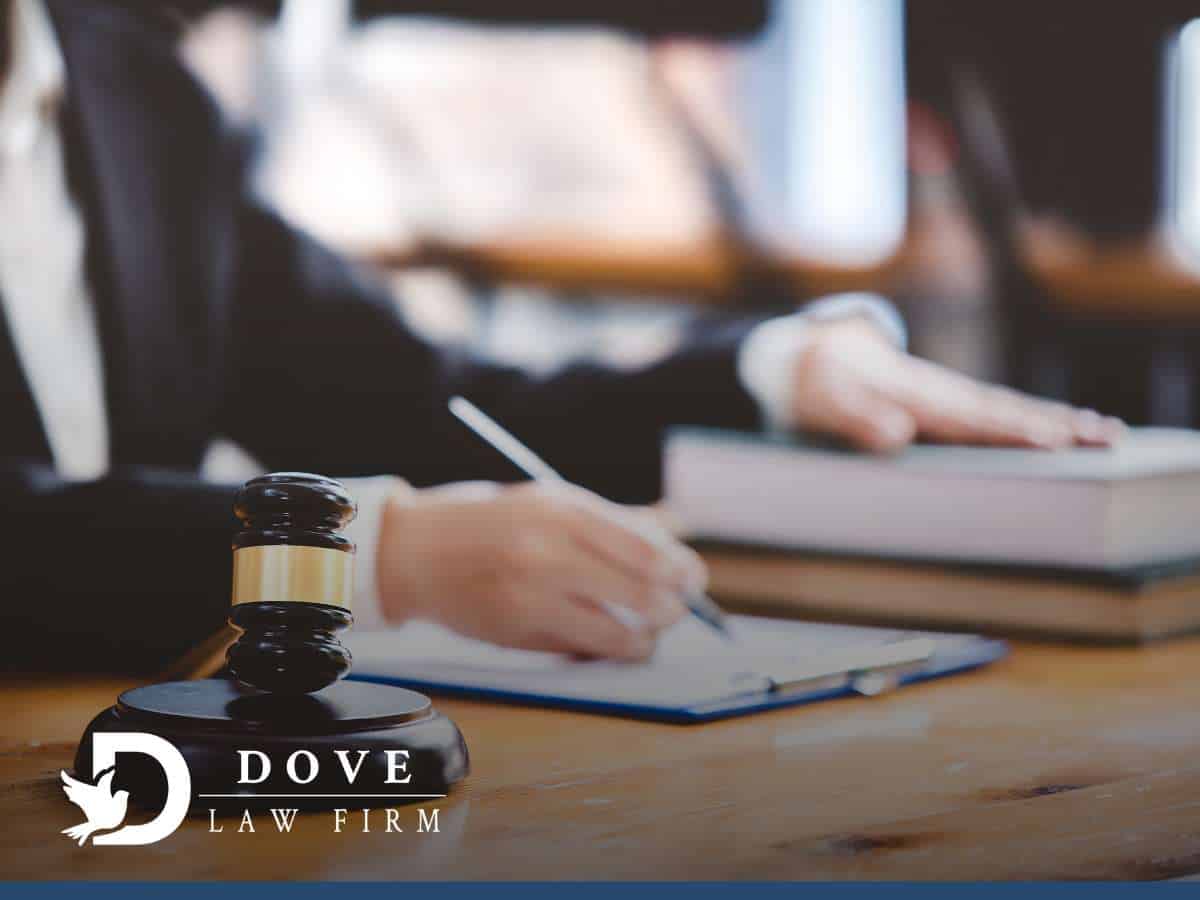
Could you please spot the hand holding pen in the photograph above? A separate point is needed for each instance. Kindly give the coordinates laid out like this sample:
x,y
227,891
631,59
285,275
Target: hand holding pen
x,y
698,603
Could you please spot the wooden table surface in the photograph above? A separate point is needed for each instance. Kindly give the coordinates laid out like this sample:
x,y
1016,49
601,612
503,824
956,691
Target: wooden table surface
x,y
1059,762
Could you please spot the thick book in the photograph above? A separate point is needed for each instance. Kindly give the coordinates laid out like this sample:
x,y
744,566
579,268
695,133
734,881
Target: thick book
x,y
1117,606
1105,510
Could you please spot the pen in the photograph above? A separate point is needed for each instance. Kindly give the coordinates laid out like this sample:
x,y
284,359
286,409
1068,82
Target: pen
x,y
699,604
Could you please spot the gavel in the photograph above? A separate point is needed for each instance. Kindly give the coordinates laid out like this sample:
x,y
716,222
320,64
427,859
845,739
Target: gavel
x,y
293,579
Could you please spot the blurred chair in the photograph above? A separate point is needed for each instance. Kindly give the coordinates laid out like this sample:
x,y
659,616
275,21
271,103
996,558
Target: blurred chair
x,y
1075,118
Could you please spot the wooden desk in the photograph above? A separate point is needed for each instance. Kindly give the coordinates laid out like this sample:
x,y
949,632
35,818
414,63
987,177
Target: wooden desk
x,y
1057,763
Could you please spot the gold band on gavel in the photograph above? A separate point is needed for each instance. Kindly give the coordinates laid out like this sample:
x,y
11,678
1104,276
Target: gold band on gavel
x,y
288,574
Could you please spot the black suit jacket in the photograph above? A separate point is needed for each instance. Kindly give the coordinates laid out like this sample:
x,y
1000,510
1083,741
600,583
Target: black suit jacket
x,y
216,318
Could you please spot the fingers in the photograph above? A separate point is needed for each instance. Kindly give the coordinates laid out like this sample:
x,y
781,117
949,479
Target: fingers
x,y
539,568
1084,427
950,407
633,540
1094,430
583,576
572,568
867,419
849,383
1055,425
580,627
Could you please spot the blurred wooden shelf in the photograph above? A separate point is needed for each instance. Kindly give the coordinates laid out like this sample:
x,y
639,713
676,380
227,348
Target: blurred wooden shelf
x,y
705,270
1143,280
1139,281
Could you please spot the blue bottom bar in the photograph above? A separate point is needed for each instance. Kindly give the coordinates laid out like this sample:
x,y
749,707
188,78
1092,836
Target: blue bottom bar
x,y
587,890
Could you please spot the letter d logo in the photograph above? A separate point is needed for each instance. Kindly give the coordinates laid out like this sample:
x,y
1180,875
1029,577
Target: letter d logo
x,y
106,746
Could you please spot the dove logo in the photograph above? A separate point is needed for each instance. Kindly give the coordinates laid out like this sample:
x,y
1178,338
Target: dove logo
x,y
106,810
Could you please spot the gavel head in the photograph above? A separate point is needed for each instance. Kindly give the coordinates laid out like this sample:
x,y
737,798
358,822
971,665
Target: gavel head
x,y
292,583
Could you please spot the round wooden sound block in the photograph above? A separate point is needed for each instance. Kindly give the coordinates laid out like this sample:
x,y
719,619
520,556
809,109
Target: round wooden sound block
x,y
354,744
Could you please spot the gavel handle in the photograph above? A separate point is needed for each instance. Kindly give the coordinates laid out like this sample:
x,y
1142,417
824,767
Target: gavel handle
x,y
203,660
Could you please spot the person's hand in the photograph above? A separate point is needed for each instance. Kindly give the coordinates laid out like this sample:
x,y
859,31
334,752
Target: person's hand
x,y
536,567
851,382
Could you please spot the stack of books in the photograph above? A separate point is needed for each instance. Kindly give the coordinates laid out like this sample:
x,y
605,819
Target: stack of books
x,y
1099,544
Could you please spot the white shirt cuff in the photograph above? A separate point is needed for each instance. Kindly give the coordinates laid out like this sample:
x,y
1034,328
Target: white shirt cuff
x,y
371,494
767,357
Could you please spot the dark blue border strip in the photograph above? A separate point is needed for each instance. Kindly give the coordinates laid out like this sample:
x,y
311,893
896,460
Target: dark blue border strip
x,y
588,890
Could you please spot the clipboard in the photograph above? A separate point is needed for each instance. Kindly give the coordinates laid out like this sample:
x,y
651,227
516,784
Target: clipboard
x,y
695,677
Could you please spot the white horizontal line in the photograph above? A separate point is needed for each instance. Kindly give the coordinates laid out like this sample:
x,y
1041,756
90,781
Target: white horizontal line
x,y
321,796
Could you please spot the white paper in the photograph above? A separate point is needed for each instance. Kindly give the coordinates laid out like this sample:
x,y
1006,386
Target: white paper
x,y
692,665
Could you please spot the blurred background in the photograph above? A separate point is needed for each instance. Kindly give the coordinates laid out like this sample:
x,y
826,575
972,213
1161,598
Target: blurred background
x,y
548,181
